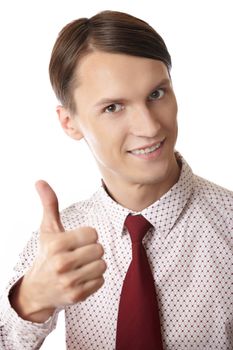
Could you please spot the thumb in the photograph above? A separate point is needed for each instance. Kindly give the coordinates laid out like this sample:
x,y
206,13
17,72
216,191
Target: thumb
x,y
51,221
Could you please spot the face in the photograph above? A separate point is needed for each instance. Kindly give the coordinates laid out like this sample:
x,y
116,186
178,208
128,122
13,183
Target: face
x,y
126,111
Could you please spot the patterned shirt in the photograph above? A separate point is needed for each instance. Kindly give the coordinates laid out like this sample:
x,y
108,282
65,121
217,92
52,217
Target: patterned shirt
x,y
190,252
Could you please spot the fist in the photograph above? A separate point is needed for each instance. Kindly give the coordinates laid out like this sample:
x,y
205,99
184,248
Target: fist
x,y
68,267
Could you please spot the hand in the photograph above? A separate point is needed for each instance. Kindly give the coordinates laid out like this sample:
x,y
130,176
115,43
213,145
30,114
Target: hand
x,y
67,269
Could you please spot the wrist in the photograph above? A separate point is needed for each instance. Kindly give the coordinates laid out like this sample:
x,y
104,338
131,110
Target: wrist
x,y
26,307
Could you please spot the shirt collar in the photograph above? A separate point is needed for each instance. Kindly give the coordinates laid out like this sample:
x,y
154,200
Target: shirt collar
x,y
111,210
162,214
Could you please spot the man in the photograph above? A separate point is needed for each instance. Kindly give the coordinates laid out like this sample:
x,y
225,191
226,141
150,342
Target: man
x,y
111,74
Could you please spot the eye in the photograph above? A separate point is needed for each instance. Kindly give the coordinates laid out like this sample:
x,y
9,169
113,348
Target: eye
x,y
113,108
157,94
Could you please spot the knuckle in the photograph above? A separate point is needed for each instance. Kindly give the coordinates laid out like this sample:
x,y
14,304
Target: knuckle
x,y
66,282
105,266
99,249
93,234
77,295
102,266
60,243
85,235
67,263
97,284
72,299
78,259
58,263
100,281
54,246
78,278
90,232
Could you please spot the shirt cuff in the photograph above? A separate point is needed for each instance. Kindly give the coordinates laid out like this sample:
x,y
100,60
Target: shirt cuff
x,y
18,330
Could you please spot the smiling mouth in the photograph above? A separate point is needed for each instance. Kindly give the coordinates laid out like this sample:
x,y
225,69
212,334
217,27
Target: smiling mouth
x,y
147,150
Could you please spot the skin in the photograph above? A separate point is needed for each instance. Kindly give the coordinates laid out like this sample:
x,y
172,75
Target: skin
x,y
141,111
67,269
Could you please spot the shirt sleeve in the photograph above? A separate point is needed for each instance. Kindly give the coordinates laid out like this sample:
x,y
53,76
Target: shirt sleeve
x,y
16,333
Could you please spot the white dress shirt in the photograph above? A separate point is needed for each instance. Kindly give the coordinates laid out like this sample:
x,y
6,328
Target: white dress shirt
x,y
190,252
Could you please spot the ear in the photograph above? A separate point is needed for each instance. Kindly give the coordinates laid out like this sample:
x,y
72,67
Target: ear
x,y
69,123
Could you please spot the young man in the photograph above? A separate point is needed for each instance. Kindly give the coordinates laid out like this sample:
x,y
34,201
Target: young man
x,y
111,74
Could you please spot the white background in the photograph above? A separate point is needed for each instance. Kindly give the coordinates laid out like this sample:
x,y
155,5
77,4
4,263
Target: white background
x,y
32,145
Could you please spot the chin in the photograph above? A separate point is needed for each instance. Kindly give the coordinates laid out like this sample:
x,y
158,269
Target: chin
x,y
149,179
158,175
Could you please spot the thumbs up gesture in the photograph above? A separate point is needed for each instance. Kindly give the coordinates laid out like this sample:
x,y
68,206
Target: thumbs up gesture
x,y
67,269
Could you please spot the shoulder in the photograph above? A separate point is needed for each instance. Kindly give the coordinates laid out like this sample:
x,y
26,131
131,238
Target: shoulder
x,y
81,212
213,198
213,192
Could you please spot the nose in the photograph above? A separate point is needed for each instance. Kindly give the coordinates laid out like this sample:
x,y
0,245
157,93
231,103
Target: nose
x,y
145,122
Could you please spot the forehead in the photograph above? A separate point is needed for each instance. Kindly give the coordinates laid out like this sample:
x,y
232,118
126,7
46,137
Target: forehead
x,y
100,73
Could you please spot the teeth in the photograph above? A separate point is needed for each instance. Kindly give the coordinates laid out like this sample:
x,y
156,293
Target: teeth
x,y
147,150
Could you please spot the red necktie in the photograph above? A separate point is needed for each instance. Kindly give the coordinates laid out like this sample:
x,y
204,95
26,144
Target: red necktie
x,y
138,326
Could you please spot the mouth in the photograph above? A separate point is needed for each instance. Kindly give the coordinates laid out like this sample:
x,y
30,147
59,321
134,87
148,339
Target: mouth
x,y
148,150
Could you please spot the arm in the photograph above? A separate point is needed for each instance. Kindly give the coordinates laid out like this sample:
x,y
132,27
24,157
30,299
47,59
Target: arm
x,y
65,268
17,333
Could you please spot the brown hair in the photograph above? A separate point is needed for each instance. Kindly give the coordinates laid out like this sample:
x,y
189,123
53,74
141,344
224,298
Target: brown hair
x,y
108,31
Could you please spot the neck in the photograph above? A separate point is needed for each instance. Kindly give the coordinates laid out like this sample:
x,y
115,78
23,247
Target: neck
x,y
137,197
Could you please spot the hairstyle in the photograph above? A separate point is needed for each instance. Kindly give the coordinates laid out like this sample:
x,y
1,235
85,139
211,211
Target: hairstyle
x,y
108,31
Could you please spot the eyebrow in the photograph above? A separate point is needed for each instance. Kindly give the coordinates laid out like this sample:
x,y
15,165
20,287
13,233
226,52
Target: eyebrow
x,y
108,100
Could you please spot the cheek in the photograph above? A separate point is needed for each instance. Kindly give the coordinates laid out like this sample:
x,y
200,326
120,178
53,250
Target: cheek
x,y
169,113
99,140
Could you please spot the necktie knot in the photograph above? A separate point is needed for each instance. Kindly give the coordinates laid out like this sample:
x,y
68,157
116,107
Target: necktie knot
x,y
137,226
